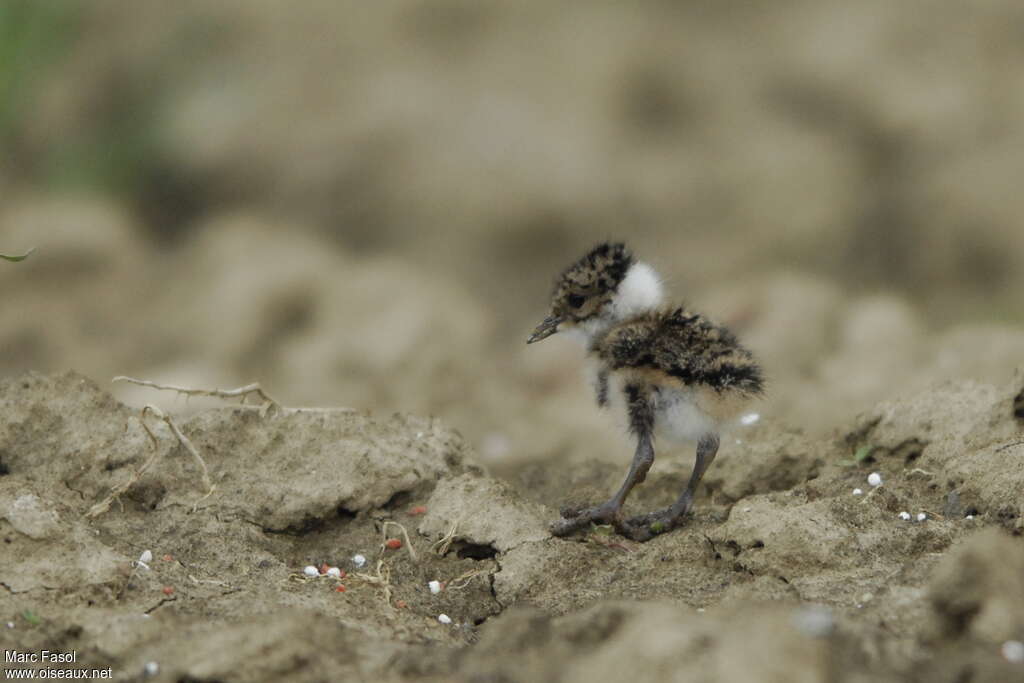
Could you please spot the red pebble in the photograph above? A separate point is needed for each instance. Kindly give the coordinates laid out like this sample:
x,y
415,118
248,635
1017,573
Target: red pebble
x,y
324,568
401,604
393,543
167,558
168,590
418,510
343,574
340,589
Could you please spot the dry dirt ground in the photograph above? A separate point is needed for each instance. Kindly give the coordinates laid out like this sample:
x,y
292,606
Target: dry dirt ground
x,y
366,210
782,574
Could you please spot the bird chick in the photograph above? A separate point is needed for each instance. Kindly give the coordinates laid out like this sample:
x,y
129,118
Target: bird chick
x,y
669,372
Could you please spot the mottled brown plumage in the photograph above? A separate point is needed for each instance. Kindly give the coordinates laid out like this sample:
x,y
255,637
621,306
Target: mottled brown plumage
x,y
681,348
587,286
671,371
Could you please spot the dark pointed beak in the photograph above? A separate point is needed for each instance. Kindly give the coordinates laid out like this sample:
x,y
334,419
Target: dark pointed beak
x,y
545,329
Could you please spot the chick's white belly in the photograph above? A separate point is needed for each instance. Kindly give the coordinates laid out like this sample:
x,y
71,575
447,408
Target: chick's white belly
x,y
678,418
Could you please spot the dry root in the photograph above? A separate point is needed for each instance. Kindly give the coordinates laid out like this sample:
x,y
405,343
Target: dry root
x,y
266,402
463,579
442,546
381,578
115,493
871,493
405,535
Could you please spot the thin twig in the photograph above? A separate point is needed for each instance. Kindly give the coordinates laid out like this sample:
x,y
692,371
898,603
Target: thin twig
x,y
442,546
870,493
382,578
1009,445
184,441
241,392
463,579
118,490
115,493
405,534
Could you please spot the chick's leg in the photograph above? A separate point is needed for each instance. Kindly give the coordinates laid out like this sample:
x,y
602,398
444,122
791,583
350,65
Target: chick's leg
x,y
641,422
648,526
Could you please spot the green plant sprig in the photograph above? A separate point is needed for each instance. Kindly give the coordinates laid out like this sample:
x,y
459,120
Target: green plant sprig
x,y
15,259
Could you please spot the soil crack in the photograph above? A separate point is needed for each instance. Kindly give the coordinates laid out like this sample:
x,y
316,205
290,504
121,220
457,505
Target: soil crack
x,y
160,604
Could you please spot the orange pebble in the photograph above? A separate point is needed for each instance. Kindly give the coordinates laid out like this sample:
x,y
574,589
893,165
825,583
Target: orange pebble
x,y
418,510
393,543
168,590
324,568
339,589
401,604
167,558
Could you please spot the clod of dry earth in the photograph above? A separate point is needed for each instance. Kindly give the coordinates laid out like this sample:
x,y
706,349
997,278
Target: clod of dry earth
x,y
781,562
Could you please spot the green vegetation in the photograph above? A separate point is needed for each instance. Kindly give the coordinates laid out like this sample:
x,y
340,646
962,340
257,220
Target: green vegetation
x,y
33,37
860,456
24,256
863,453
113,148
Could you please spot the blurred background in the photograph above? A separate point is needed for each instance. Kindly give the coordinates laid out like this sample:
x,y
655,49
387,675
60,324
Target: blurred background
x,y
365,204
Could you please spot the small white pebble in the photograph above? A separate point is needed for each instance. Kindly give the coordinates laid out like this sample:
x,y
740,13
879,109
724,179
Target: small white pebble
x,y
334,572
146,557
358,560
750,418
146,616
857,492
151,668
739,441
746,509
875,479
1013,651
311,571
10,624
969,517
444,618
419,435
905,516
435,587
700,609
921,516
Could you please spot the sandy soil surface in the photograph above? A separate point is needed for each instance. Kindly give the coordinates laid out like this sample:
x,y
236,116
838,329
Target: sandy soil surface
x,y
363,210
783,574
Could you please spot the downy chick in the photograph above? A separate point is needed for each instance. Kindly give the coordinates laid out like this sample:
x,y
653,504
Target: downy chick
x,y
669,371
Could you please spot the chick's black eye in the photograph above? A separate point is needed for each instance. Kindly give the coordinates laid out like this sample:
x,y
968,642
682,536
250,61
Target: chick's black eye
x,y
575,300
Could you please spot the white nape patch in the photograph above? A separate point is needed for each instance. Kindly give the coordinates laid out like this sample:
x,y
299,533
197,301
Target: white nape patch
x,y
640,291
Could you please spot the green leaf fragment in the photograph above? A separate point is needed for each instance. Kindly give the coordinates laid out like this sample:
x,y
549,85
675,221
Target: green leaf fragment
x,y
15,259
31,617
863,453
657,527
